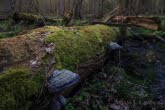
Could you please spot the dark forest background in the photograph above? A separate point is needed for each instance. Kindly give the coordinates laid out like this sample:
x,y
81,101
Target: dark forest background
x,y
83,8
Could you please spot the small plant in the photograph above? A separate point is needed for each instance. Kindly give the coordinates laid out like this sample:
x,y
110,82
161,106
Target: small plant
x,y
69,107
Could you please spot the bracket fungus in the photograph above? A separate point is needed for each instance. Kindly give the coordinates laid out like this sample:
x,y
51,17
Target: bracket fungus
x,y
60,80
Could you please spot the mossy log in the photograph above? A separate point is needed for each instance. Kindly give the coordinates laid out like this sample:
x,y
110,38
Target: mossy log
x,y
80,49
32,17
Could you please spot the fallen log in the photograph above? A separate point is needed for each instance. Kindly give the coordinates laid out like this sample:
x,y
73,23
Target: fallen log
x,y
32,17
146,22
79,49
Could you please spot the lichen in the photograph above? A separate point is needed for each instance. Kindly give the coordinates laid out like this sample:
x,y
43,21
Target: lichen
x,y
78,44
16,88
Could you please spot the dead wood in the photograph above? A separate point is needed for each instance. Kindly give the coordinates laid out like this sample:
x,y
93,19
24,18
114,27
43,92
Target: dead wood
x,y
32,17
110,15
152,23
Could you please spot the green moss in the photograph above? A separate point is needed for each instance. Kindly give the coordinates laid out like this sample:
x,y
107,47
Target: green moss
x,y
16,88
74,45
4,25
78,44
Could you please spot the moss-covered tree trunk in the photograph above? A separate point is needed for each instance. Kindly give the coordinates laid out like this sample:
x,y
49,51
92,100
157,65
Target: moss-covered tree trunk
x,y
79,49
32,17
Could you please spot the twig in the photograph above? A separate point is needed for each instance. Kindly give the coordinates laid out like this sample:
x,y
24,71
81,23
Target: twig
x,y
160,38
135,34
42,19
111,15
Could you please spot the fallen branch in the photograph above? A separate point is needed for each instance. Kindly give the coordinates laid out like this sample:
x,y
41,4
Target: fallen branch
x,y
160,38
146,22
110,15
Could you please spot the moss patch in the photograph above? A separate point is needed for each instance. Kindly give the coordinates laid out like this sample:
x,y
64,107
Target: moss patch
x,y
78,44
74,45
16,88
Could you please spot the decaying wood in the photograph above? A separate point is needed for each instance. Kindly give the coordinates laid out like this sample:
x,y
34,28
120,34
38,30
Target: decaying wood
x,y
29,47
67,17
146,22
43,49
152,23
32,17
110,15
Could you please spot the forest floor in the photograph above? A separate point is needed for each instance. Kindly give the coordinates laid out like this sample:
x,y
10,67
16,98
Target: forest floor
x,y
9,29
134,81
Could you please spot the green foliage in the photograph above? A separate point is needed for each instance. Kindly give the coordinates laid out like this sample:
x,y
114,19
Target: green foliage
x,y
5,25
9,29
69,107
80,22
143,31
162,46
139,30
163,25
160,33
8,34
129,87
103,108
17,88
78,44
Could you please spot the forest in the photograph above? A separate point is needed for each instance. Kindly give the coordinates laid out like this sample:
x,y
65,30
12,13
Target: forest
x,y
82,54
